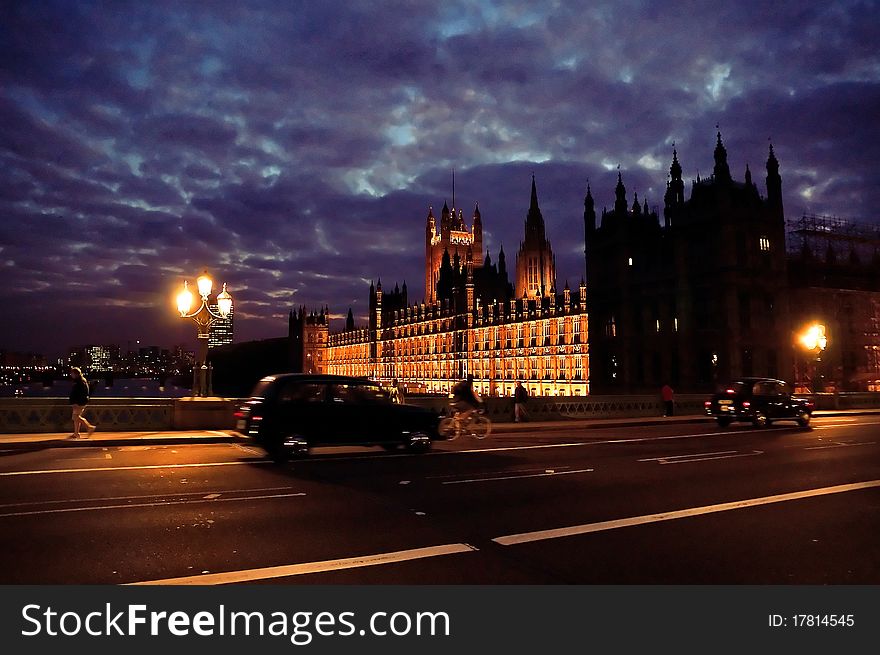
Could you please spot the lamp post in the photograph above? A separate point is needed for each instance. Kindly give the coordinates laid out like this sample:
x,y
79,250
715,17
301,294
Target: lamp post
x,y
814,340
204,317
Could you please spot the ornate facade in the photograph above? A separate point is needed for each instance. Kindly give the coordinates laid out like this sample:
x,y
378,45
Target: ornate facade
x,y
472,321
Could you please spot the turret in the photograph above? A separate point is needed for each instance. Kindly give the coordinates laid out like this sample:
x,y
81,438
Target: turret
x,y
774,182
620,196
674,197
445,221
477,229
722,170
589,212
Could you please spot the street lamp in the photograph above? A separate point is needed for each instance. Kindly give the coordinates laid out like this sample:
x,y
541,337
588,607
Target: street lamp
x,y
814,340
204,317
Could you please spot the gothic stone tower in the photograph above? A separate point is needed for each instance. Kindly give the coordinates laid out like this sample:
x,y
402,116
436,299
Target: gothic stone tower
x,y
308,338
697,300
453,238
535,263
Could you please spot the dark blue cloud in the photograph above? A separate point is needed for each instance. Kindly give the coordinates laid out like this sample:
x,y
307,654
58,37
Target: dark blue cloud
x,y
294,149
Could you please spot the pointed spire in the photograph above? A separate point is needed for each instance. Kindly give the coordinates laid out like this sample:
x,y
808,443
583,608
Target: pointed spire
x,y
533,204
722,170
675,168
636,207
620,207
774,181
589,210
748,176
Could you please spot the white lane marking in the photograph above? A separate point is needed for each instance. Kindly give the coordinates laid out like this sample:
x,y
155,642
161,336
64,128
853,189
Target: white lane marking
x,y
518,477
211,496
540,535
179,494
232,577
250,450
842,445
446,476
134,468
844,425
701,457
161,503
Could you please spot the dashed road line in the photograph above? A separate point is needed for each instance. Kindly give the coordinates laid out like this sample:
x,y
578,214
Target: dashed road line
x,y
701,457
587,528
160,503
842,445
518,477
132,468
232,577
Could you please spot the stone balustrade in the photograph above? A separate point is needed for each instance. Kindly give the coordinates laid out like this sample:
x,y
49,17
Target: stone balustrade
x,y
34,415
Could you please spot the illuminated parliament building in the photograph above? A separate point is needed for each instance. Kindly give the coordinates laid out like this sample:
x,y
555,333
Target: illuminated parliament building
x,y
473,320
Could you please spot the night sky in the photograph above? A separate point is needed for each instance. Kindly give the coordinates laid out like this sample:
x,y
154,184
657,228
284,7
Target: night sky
x,y
293,148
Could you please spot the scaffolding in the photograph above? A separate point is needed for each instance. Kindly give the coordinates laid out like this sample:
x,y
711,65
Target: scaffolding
x,y
831,238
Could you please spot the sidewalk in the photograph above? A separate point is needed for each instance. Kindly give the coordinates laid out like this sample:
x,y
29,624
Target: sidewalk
x,y
107,439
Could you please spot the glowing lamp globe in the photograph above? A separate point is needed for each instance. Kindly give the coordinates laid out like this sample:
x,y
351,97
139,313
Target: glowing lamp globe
x,y
204,283
184,300
224,302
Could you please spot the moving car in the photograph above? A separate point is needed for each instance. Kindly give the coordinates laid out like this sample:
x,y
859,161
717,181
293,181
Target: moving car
x,y
759,401
289,413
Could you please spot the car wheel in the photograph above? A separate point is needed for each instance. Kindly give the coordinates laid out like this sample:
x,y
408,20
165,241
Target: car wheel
x,y
277,452
295,446
803,418
760,420
723,422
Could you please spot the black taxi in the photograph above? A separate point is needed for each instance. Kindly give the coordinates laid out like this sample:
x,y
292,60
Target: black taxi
x,y
289,413
759,401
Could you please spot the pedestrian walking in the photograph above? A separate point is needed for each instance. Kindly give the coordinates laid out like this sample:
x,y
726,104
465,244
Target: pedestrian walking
x,y
79,398
520,398
668,396
395,393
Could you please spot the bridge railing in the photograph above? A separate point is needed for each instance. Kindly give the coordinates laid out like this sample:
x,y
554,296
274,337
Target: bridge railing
x,y
35,415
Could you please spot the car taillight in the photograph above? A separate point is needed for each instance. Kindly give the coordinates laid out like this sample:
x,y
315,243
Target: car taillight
x,y
746,403
708,403
730,391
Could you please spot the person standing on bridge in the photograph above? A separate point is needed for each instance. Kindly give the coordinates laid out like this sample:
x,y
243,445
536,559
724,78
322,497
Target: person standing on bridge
x,y
520,398
668,396
79,398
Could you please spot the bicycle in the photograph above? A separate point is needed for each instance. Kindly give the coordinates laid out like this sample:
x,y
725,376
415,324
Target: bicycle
x,y
473,422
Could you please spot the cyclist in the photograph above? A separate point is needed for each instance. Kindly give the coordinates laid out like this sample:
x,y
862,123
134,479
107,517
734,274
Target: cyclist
x,y
465,399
